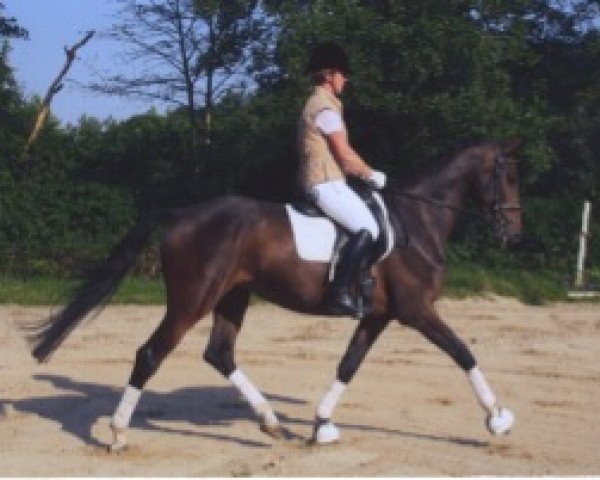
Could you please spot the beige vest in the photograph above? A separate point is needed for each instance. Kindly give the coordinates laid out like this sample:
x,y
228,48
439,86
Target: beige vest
x,y
317,164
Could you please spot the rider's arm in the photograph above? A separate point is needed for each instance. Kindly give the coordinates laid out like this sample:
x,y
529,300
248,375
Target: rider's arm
x,y
331,126
349,161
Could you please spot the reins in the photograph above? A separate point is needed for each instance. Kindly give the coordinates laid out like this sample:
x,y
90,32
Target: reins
x,y
422,198
394,190
498,207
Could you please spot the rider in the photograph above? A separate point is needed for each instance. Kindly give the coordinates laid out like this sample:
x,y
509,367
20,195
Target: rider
x,y
326,158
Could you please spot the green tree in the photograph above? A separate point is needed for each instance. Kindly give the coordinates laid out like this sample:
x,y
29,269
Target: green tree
x,y
187,54
9,26
10,97
425,75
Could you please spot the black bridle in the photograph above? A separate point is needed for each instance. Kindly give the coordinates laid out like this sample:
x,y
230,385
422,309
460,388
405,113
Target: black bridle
x,y
501,221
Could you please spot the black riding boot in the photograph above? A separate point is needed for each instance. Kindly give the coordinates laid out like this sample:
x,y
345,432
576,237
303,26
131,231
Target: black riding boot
x,y
355,255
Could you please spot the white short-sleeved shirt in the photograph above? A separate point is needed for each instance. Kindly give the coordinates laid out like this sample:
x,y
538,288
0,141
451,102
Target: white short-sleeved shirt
x,y
329,121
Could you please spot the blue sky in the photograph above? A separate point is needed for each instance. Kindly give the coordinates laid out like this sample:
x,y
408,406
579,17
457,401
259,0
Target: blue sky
x,y
53,25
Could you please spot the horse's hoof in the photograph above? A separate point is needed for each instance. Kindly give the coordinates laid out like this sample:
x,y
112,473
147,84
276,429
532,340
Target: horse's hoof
x,y
116,447
7,410
274,430
325,434
119,440
500,421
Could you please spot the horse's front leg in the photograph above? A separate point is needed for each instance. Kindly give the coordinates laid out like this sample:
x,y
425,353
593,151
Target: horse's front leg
x,y
365,335
499,420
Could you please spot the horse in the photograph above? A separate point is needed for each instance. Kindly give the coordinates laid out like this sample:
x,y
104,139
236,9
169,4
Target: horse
x,y
217,253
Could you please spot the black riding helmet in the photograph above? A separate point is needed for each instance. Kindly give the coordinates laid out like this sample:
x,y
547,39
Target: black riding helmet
x,y
328,55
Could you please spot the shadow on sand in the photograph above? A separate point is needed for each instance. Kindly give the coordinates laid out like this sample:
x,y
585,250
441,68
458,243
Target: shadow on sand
x,y
79,404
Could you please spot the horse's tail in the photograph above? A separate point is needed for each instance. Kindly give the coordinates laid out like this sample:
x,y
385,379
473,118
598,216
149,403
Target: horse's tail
x,y
95,290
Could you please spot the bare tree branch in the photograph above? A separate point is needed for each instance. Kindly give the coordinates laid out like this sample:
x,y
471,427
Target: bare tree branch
x,y
54,88
185,52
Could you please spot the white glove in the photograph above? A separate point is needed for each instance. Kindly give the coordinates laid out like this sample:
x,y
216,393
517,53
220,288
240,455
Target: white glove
x,y
377,179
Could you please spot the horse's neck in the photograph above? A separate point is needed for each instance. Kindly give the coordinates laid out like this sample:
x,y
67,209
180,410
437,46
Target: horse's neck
x,y
448,190
450,186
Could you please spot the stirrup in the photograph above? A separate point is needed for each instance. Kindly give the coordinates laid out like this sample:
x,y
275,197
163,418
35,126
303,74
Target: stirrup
x,y
365,298
339,302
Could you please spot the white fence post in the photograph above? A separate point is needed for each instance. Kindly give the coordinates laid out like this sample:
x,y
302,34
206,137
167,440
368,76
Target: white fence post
x,y
585,223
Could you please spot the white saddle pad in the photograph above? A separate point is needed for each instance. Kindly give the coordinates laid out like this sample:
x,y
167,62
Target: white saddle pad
x,y
314,236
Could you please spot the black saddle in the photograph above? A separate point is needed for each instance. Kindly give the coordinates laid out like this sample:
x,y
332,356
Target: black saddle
x,y
390,226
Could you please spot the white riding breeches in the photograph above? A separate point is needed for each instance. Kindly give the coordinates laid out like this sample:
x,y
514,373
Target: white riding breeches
x,y
338,201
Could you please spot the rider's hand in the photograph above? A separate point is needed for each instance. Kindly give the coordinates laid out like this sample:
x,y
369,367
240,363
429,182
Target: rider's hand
x,y
377,179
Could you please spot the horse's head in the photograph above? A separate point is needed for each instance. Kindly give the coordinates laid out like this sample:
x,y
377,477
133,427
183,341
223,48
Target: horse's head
x,y
498,188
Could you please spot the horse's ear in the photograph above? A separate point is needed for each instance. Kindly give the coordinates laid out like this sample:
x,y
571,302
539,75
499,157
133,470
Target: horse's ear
x,y
511,146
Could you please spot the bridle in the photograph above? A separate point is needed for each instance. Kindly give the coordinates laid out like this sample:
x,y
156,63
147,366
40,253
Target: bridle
x,y
499,208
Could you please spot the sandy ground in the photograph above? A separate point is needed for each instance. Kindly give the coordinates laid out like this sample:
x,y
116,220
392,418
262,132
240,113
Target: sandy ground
x,y
408,412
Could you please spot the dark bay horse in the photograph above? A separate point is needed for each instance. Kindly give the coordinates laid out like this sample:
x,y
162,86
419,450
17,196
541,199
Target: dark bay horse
x,y
214,255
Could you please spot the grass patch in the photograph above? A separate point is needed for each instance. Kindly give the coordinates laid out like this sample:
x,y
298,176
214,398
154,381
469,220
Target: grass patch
x,y
54,291
34,291
533,288
141,291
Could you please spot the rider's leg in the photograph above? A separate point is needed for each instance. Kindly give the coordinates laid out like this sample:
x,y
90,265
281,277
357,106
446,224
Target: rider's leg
x,y
338,201
339,299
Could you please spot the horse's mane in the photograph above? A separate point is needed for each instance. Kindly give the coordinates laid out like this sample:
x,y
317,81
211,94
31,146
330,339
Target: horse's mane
x,y
432,169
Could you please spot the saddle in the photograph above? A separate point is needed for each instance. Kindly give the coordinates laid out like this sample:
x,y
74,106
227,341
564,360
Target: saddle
x,y
318,238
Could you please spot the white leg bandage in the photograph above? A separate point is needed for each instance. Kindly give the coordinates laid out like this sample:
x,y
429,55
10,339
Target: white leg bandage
x,y
330,400
253,396
484,393
124,411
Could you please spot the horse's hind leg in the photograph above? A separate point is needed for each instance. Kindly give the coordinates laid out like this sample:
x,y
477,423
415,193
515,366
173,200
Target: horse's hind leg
x,y
186,304
429,324
148,358
220,353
